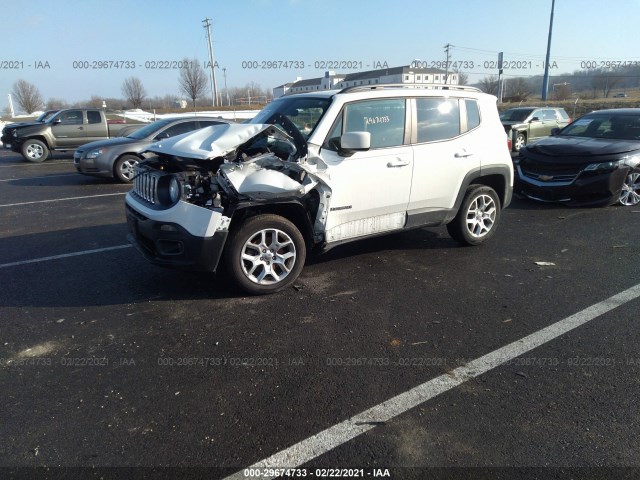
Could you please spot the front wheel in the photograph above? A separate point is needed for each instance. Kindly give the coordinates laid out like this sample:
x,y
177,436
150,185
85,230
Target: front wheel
x,y
125,168
478,216
265,254
520,142
35,151
630,193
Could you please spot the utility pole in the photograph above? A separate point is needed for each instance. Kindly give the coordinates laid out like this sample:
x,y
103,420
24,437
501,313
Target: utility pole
x,y
214,86
224,72
545,82
446,75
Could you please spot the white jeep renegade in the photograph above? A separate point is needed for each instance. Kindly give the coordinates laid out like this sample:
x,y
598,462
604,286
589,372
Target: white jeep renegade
x,y
311,171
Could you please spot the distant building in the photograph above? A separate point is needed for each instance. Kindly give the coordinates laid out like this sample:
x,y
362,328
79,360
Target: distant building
x,y
404,74
180,104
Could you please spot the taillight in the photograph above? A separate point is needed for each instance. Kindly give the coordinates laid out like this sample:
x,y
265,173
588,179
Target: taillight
x,y
509,143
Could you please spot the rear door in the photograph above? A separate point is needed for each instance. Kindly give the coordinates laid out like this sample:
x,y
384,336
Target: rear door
x,y
445,149
96,127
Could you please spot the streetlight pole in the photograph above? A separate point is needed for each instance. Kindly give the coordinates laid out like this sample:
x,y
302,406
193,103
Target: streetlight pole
x,y
224,72
214,87
545,82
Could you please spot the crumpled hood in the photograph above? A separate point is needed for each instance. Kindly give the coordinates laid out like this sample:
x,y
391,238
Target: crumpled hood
x,y
580,146
211,142
22,124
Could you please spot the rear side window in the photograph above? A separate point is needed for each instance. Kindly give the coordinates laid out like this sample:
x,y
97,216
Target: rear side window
x,y
438,119
93,116
178,129
473,114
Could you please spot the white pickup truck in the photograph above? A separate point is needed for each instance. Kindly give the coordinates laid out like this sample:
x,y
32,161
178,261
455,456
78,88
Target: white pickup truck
x,y
312,171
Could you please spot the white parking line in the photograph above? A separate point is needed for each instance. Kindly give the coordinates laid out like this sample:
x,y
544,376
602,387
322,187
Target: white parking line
x,y
62,199
341,433
64,255
34,178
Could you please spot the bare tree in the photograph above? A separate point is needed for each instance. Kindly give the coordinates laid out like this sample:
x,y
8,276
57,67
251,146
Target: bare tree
x,y
489,85
518,89
56,104
563,91
134,91
463,78
28,96
603,80
193,80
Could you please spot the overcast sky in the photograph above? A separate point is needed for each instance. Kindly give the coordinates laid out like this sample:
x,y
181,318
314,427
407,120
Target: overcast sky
x,y
367,34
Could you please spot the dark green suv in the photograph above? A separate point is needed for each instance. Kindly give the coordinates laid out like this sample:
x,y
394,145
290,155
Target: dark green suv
x,y
524,124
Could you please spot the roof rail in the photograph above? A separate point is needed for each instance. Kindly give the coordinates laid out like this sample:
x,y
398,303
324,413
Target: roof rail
x,y
427,86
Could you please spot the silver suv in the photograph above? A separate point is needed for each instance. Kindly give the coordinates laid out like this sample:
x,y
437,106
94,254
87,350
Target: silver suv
x,y
312,171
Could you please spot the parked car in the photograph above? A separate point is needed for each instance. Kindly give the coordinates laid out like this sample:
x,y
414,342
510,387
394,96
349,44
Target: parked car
x,y
117,157
312,171
594,161
525,124
64,130
620,95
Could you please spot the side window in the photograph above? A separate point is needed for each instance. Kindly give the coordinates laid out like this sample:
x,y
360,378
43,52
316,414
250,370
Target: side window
x,y
72,117
178,129
384,119
473,114
333,139
93,117
208,123
438,119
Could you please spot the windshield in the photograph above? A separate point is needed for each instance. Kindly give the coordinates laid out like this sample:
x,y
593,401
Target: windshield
x,y
601,125
148,130
46,115
303,112
516,114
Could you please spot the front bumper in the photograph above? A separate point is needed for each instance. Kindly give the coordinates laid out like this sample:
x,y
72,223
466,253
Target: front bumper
x,y
94,167
586,190
164,239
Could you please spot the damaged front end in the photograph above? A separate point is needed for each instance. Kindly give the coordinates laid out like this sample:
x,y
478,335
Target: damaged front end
x,y
187,194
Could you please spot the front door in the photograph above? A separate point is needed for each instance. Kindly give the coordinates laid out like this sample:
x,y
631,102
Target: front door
x,y
370,189
70,132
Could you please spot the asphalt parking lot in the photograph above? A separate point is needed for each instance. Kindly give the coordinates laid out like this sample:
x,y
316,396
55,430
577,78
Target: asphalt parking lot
x,y
379,358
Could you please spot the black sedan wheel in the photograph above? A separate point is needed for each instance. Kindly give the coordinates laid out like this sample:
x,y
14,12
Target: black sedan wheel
x,y
630,193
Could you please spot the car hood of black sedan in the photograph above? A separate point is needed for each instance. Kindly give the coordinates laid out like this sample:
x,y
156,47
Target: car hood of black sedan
x,y
564,146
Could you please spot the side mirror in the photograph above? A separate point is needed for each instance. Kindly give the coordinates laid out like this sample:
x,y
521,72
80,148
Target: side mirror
x,y
555,131
161,136
534,119
352,142
57,121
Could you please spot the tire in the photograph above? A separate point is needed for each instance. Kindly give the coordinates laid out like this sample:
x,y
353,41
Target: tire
x,y
478,216
630,193
124,168
521,141
252,267
35,151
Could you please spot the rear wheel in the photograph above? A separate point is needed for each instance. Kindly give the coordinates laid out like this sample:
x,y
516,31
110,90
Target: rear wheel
x,y
125,168
630,193
265,254
478,216
35,150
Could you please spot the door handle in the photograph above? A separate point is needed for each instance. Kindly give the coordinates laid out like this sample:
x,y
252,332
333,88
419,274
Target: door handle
x,y
463,154
80,128
398,162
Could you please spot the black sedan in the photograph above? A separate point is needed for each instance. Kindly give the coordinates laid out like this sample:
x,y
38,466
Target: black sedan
x,y
595,161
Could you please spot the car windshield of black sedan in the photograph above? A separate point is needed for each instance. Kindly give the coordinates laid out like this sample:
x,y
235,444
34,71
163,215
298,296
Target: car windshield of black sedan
x,y
610,125
515,114
147,130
